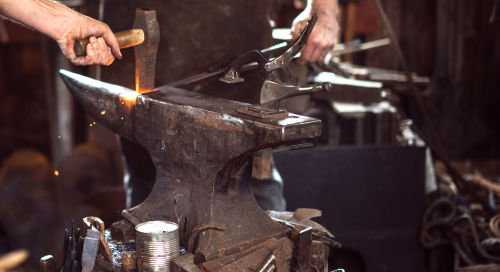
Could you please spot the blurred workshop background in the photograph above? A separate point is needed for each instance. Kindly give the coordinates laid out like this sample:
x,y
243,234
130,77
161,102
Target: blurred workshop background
x,y
406,171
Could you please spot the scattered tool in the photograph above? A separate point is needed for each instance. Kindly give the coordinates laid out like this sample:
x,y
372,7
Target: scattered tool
x,y
13,259
95,223
48,263
72,246
90,249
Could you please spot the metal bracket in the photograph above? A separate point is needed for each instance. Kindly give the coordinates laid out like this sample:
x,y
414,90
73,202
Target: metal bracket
x,y
263,113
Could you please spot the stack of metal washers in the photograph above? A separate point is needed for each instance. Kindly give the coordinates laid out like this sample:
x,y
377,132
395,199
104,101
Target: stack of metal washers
x,y
157,243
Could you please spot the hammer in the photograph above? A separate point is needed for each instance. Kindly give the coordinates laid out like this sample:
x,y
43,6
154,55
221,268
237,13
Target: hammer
x,y
126,39
145,37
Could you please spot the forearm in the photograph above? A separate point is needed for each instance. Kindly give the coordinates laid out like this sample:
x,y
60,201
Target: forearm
x,y
43,15
323,7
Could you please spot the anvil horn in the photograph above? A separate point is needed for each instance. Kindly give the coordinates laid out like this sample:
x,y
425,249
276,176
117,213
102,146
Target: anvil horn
x,y
109,104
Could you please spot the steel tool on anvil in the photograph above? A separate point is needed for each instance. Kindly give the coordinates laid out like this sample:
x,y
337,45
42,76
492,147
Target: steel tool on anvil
x,y
274,88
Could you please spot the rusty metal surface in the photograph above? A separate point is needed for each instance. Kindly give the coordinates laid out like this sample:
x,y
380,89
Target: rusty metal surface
x,y
261,164
302,254
124,255
184,263
319,256
198,144
253,258
129,260
145,53
123,230
263,112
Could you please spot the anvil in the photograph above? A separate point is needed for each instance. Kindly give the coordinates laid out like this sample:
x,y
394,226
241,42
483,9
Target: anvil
x,y
198,145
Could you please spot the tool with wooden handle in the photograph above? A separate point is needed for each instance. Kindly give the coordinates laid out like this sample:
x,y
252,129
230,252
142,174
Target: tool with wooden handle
x,y
127,38
13,259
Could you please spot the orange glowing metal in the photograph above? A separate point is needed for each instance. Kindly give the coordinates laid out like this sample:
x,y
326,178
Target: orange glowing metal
x,y
128,97
138,88
137,83
144,91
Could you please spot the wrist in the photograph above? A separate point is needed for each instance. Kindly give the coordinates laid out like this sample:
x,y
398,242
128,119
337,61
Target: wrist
x,y
323,7
62,19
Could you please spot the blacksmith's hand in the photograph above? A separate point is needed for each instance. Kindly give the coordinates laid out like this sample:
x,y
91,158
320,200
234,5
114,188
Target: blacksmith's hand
x,y
323,37
102,47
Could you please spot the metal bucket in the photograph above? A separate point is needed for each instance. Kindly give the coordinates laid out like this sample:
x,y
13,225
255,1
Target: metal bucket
x,y
157,243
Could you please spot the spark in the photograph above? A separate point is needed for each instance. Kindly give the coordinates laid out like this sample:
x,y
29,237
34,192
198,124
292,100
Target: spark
x,y
103,112
128,97
56,173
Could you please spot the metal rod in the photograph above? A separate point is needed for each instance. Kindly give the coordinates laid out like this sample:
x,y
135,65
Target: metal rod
x,y
264,267
271,268
362,47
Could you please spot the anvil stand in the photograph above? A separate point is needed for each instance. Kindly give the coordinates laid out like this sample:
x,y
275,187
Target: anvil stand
x,y
198,144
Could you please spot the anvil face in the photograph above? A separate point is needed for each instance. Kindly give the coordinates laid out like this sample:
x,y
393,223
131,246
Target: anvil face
x,y
198,144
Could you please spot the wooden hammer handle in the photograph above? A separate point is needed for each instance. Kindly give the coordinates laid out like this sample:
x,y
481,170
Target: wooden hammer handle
x,y
127,38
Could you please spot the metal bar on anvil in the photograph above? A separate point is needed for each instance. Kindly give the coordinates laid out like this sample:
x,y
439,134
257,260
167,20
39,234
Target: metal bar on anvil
x,y
269,51
252,66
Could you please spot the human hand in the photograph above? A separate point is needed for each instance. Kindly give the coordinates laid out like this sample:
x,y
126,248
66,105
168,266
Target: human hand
x,y
102,47
323,37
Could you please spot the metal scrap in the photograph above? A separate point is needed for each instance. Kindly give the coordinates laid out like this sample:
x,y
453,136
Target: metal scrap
x,y
96,223
90,249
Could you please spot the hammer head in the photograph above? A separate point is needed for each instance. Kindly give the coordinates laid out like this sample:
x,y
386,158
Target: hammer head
x,y
145,54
